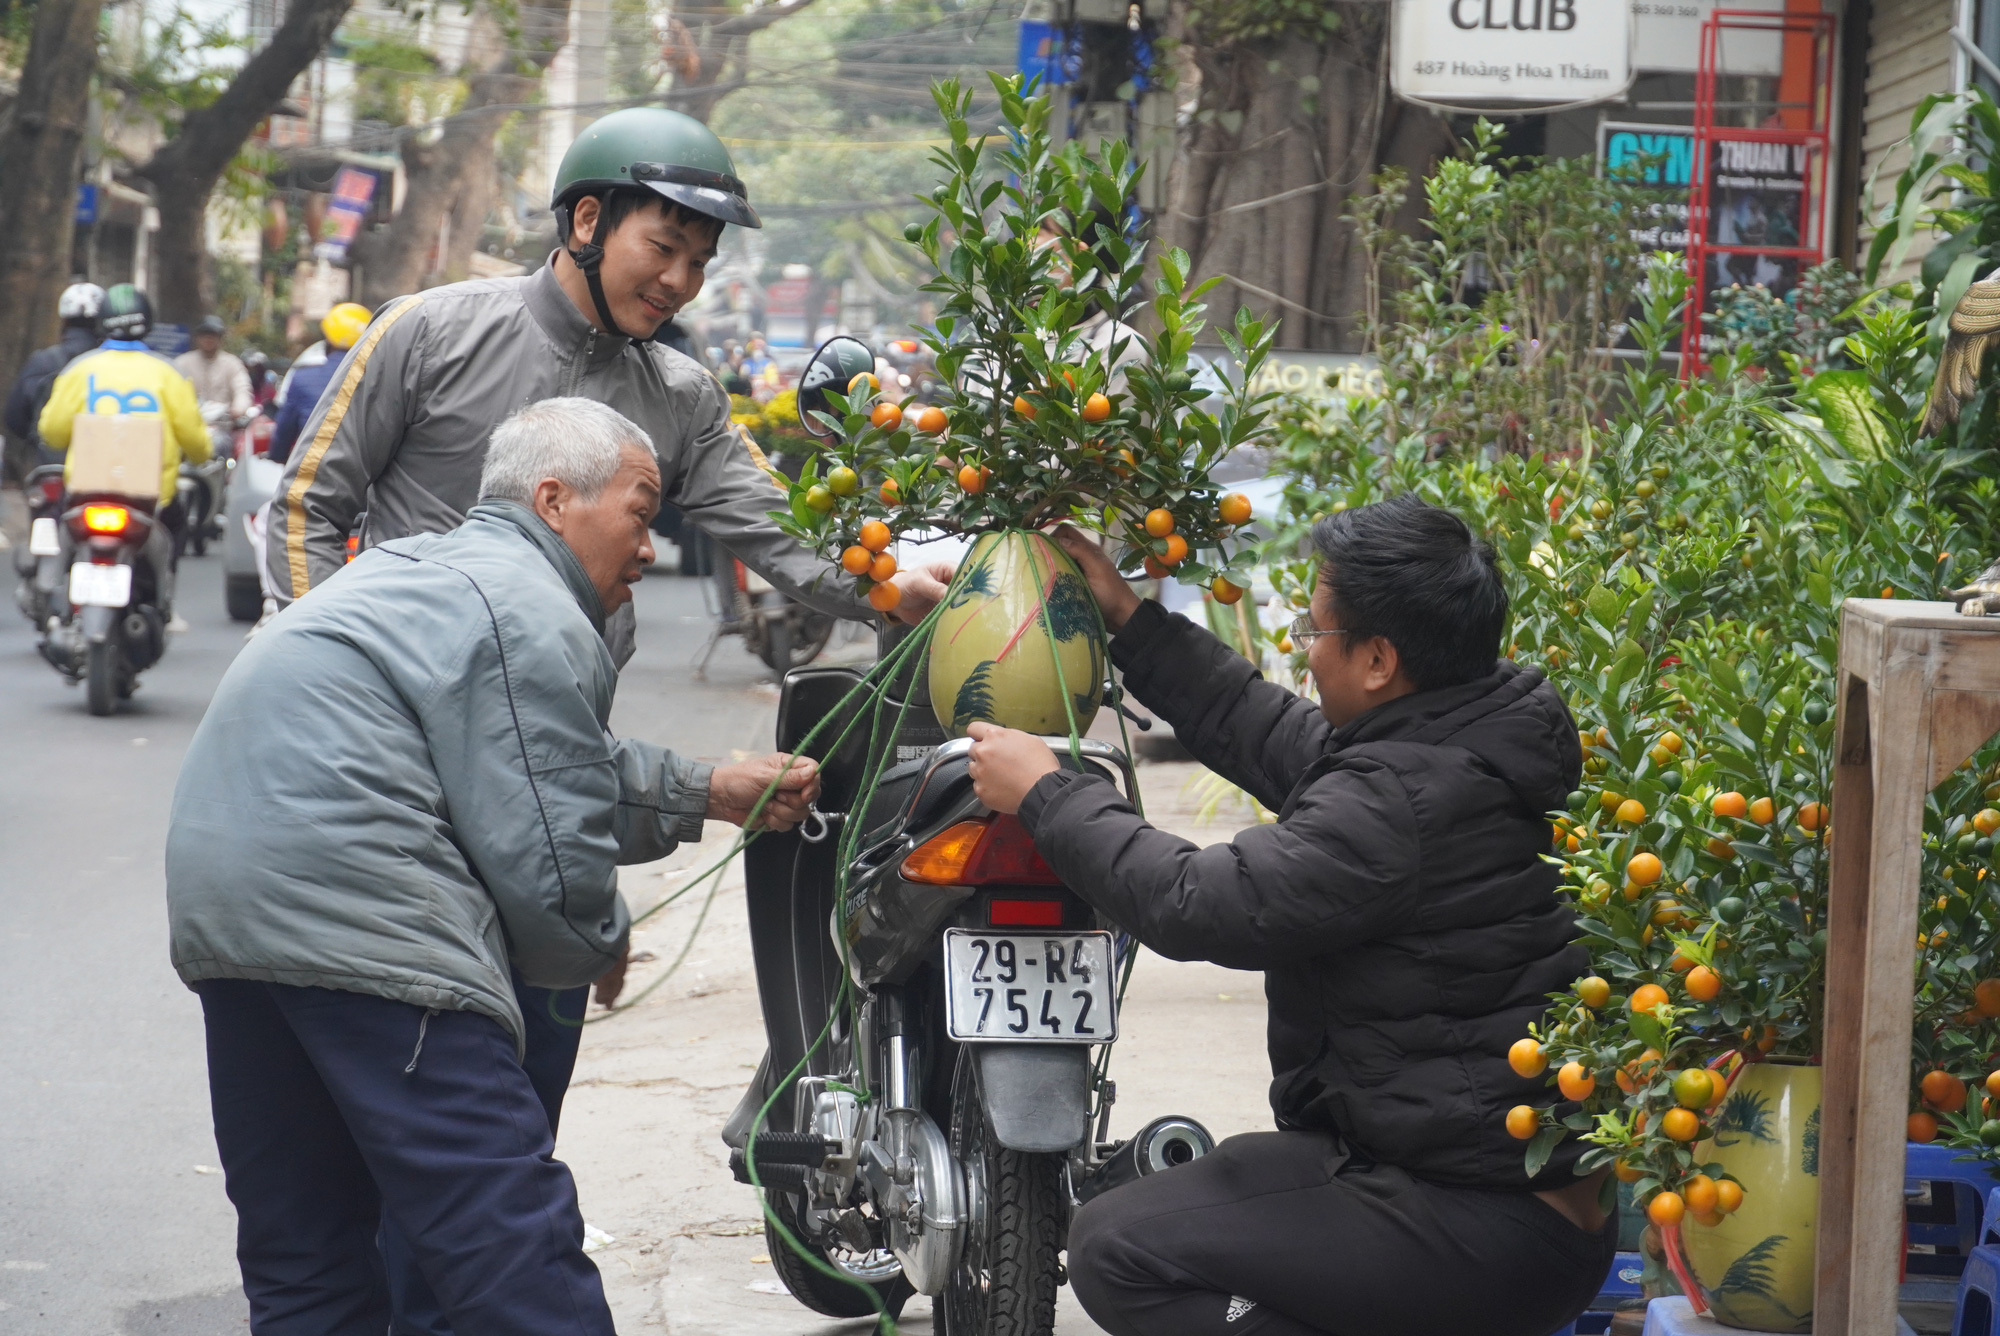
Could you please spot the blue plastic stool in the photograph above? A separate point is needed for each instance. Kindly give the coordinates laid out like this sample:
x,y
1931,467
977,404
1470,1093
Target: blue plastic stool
x,y
1978,1312
1960,1193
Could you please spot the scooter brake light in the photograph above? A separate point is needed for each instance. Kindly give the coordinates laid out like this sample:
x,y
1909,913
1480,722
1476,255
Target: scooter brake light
x,y
980,853
353,546
106,519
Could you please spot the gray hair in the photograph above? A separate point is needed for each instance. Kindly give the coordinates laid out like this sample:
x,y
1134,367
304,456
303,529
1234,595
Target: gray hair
x,y
577,442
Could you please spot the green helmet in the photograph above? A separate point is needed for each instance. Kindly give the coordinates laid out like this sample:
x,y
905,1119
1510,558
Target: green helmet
x,y
668,152
125,314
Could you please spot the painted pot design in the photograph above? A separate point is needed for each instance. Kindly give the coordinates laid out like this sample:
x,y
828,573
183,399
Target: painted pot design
x,y
1020,634
1756,1268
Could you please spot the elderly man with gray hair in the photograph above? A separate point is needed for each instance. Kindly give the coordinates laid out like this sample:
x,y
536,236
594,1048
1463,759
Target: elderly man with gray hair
x,y
404,798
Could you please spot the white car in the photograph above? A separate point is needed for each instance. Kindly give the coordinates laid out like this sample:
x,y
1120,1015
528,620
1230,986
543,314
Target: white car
x,y
252,483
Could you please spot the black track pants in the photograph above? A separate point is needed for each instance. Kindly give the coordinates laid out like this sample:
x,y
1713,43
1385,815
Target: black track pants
x,y
1274,1235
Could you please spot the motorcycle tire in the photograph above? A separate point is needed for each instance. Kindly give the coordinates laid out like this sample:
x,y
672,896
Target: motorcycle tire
x,y
100,679
244,597
776,647
813,1287
1007,1273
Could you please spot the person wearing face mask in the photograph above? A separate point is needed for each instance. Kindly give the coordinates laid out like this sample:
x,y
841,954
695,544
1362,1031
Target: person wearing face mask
x,y
1409,931
641,200
440,812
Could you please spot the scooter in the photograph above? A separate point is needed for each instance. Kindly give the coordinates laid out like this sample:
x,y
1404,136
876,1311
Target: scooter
x,y
38,565
784,634
107,623
928,1116
201,486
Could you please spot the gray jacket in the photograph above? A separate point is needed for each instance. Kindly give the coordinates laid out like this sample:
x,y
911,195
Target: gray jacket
x,y
403,427
404,783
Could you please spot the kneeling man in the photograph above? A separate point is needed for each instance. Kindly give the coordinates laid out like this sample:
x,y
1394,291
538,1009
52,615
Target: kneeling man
x,y
403,798
1408,930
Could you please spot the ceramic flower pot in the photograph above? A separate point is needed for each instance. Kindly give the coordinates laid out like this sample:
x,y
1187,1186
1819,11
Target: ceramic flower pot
x,y
1756,1268
1019,635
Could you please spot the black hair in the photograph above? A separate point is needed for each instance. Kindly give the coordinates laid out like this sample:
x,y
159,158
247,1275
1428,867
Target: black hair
x,y
616,205
1416,575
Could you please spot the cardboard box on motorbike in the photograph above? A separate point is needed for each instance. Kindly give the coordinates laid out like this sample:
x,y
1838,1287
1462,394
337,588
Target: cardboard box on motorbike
x,y
116,454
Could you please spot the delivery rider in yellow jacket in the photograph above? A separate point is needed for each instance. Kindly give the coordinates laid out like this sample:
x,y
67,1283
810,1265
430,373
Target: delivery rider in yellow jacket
x,y
124,376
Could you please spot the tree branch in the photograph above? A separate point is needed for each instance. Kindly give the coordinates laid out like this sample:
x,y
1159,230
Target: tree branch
x,y
756,20
210,137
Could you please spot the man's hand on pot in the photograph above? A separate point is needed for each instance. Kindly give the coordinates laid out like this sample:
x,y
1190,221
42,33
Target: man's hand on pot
x,y
922,587
1114,596
1005,763
733,790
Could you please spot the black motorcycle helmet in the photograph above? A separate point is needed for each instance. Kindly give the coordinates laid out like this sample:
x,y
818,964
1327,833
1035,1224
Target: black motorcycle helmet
x,y
839,360
126,314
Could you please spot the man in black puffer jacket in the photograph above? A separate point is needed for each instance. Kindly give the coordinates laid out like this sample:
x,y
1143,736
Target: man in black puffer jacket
x,y
1408,930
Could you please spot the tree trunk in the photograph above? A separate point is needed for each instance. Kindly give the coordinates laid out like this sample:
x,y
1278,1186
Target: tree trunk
x,y
1286,132
468,213
38,160
185,168
392,260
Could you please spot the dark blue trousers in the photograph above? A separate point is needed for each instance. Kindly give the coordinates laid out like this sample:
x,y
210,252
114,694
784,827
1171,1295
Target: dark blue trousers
x,y
553,1021
335,1111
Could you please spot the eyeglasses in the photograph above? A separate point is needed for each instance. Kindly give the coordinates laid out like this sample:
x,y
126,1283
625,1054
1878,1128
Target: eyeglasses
x,y
1303,632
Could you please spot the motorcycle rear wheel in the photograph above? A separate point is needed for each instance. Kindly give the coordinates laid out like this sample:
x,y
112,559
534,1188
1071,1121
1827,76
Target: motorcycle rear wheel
x,y
100,678
1005,1282
821,1292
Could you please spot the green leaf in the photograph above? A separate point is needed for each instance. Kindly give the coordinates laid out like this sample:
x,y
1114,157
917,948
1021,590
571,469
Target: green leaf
x,y
1539,1149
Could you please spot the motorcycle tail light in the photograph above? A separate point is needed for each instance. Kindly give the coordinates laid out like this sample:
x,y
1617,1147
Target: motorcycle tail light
x,y
942,859
353,546
52,491
979,853
106,519
1024,913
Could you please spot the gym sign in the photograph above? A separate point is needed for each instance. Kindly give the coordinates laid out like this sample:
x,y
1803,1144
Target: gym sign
x,y
1544,53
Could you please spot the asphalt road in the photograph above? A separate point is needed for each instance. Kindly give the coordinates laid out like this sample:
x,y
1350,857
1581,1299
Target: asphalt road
x,y
113,1220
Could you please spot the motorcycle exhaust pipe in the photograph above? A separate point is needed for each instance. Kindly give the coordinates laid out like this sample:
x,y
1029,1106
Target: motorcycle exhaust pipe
x,y
1165,1143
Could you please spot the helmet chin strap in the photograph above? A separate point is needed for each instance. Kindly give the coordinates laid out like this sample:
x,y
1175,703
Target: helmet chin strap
x,y
589,257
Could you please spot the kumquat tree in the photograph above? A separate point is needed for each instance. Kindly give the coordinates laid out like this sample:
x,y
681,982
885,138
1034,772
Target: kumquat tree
x,y
1676,564
1053,408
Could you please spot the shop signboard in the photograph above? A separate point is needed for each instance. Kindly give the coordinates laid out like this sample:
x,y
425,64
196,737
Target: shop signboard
x,y
1756,213
1318,376
353,196
1536,52
1658,156
785,313
1667,37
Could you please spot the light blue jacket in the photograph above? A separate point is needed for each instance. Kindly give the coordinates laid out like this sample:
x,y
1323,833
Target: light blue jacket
x,y
405,783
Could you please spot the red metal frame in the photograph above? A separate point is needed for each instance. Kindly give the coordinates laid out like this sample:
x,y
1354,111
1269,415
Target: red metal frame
x,y
1805,35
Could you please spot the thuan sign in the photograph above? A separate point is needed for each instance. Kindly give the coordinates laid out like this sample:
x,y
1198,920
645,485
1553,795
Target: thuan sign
x,y
1535,52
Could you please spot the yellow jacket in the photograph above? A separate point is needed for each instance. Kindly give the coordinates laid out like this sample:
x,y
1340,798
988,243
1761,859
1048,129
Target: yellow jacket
x,y
127,377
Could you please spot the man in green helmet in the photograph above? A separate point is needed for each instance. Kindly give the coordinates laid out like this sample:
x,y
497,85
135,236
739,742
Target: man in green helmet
x,y
401,432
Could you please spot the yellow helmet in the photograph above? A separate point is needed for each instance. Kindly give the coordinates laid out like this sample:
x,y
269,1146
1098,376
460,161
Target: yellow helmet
x,y
344,323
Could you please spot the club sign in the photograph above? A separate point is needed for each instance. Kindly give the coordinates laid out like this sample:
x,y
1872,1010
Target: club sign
x,y
1538,52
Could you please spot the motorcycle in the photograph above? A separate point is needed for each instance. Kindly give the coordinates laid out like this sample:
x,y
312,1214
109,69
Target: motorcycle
x,y
928,1116
784,634
106,624
201,487
38,565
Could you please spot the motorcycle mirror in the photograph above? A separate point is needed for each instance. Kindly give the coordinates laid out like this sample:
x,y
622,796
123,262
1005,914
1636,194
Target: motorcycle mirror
x,y
839,360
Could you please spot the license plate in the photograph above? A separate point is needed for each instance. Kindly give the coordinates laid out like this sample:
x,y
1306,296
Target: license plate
x,y
95,586
1045,988
42,538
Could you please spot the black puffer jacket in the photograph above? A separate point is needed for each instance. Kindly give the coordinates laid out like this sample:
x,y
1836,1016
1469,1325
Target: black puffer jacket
x,y
1400,909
